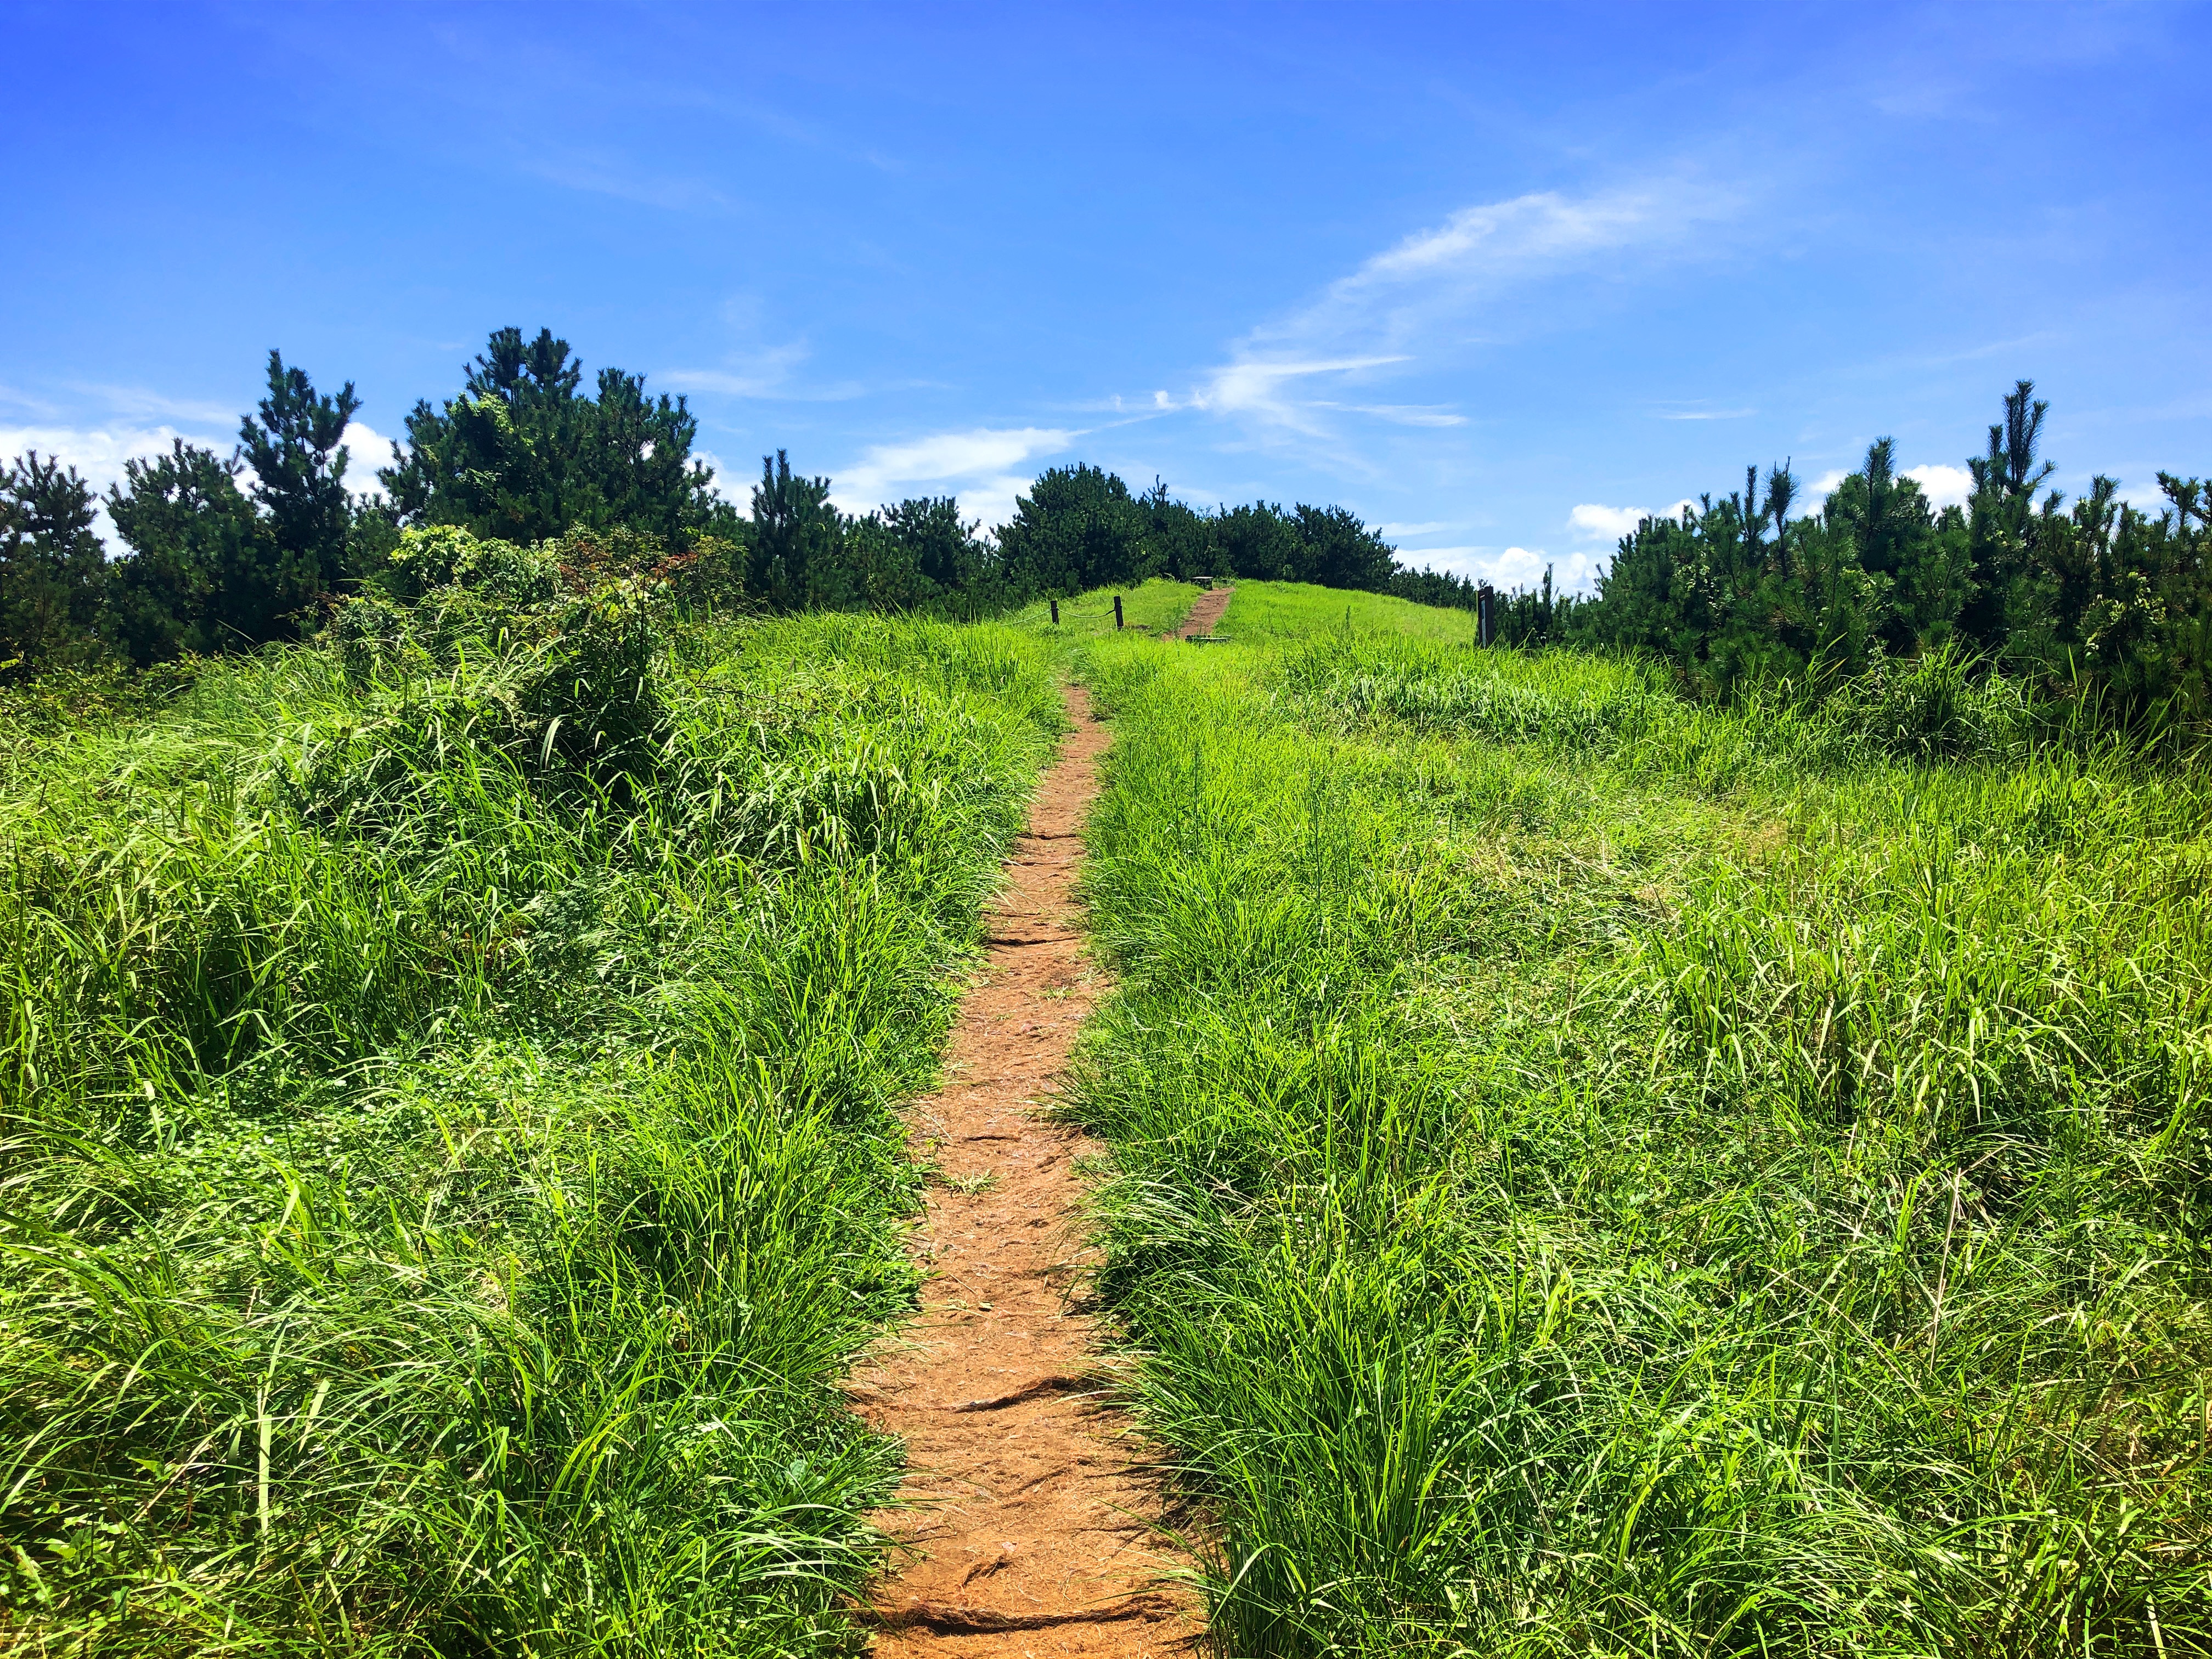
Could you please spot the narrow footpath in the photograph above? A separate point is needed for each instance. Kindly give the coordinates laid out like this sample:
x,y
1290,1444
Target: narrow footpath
x,y
1025,1529
1203,612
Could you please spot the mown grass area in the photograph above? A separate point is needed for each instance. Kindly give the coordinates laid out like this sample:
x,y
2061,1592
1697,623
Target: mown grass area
x,y
1592,1174
450,1152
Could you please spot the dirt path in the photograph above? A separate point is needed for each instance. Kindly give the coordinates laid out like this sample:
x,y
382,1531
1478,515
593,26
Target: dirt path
x,y
1030,1533
1204,613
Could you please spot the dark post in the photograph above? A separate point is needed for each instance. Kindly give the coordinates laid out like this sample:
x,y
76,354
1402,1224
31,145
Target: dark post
x,y
1486,615
1055,613
1117,610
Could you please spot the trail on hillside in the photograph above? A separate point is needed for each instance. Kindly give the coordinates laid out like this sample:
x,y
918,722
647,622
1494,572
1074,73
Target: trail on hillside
x,y
1027,1525
1204,613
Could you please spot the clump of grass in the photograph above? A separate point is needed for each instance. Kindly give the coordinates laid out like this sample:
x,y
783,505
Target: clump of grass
x,y
449,1145
1593,1174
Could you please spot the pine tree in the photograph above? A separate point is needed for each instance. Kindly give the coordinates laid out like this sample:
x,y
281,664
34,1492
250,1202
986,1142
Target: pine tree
x,y
1076,528
1258,543
2003,604
206,572
295,443
797,541
52,569
1339,550
522,456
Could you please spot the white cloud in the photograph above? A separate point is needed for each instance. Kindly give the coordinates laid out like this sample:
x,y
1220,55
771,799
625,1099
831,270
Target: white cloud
x,y
1944,486
979,463
1429,529
728,487
1506,569
1596,523
1592,522
98,453
366,450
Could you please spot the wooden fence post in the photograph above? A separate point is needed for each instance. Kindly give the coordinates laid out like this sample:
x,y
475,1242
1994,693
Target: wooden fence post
x,y
1485,614
1117,610
1055,613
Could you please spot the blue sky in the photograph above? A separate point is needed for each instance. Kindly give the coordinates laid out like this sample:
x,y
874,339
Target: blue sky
x,y
1492,276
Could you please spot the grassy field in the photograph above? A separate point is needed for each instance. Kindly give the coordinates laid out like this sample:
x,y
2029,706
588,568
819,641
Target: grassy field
x,y
449,1143
1147,608
1593,1175
1587,1173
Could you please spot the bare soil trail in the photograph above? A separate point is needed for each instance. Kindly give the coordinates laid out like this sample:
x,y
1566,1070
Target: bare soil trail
x,y
1203,612
1029,1529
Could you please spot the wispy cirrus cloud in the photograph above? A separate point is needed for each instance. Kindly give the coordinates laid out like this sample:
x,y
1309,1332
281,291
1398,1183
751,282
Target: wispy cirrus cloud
x,y
1411,298
768,374
1404,414
1266,390
601,172
140,403
978,465
1418,304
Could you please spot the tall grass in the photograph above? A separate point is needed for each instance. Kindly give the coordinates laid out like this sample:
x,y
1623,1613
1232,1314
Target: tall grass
x,y
449,1148
1591,1174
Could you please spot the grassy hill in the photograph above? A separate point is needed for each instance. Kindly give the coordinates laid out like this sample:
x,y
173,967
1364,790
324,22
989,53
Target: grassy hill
x,y
1588,1172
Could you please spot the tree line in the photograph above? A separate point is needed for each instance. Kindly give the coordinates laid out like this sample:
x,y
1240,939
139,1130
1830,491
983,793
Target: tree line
x,y
229,552
2095,592
2092,599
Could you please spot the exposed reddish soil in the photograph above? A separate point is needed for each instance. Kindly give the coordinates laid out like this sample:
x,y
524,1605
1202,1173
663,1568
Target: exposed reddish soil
x,y
1204,614
1030,1527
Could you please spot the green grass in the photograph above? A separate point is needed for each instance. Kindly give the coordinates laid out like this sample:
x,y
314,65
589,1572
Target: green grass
x,y
450,1152
1148,607
1594,1174
1300,610
1588,1173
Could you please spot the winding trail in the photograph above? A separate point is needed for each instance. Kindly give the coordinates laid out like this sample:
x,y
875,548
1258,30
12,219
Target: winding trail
x,y
1029,1527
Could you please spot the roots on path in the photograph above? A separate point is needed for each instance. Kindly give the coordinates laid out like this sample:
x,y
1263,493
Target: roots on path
x,y
1029,1529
